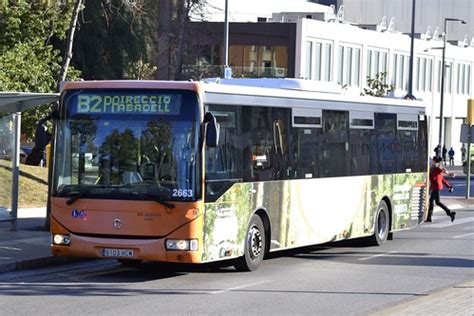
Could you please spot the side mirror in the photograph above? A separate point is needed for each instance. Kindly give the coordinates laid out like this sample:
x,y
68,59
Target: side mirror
x,y
211,130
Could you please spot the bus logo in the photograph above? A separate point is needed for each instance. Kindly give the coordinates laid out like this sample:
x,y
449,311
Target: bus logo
x,y
118,223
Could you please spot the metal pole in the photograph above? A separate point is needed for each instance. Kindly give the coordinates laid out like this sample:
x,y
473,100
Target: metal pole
x,y
412,52
441,103
15,168
226,35
468,173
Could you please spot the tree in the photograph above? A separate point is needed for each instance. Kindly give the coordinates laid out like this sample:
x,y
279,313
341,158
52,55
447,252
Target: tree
x,y
28,58
378,86
112,38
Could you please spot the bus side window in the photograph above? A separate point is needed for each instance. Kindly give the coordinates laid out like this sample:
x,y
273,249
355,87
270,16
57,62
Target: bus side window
x,y
387,142
335,161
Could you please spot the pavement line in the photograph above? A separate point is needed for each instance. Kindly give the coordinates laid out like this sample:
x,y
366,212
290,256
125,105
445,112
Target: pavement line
x,y
238,287
449,223
465,235
10,248
379,255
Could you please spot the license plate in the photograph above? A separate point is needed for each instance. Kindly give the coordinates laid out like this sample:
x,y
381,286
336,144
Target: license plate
x,y
111,252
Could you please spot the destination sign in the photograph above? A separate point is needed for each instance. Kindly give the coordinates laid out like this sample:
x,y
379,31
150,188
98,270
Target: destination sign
x,y
166,104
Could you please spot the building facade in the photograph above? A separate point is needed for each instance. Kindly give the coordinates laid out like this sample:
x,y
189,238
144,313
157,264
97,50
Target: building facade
x,y
341,57
430,14
348,56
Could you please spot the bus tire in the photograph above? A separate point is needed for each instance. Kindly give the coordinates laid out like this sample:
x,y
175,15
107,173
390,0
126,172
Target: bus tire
x,y
382,225
254,249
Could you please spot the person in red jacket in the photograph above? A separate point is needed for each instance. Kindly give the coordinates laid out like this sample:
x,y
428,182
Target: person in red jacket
x,y
436,185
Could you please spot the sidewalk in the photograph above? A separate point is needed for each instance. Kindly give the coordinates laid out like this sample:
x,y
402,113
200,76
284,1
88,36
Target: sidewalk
x,y
26,248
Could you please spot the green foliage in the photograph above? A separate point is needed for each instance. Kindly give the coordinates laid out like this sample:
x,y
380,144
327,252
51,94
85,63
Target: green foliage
x,y
28,60
139,71
378,86
111,36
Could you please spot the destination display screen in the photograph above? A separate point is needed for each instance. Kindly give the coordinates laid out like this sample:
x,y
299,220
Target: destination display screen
x,y
130,103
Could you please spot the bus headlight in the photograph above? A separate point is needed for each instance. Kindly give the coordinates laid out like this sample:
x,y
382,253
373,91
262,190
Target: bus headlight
x,y
59,239
182,244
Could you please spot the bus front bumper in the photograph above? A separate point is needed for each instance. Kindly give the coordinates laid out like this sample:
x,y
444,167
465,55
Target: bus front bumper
x,y
152,249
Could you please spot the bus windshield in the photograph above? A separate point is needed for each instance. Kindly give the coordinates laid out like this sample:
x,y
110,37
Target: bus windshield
x,y
128,144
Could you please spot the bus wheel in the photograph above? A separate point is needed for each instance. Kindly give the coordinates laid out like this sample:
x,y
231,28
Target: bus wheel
x,y
254,246
382,225
130,263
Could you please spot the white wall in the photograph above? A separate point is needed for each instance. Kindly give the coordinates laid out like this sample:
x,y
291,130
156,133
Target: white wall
x,y
455,105
428,13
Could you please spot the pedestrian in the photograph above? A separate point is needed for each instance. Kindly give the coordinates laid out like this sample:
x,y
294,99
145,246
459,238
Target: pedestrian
x,y
437,151
436,185
445,151
451,156
463,153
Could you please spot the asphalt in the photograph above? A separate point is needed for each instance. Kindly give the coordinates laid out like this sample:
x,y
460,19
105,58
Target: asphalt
x,y
29,247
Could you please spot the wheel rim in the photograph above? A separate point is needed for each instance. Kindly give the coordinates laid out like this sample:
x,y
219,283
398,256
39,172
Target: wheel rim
x,y
255,242
381,224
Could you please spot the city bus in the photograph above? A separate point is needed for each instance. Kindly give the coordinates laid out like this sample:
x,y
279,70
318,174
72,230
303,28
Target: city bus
x,y
230,170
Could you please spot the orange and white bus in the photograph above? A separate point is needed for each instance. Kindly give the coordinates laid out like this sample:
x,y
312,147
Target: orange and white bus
x,y
196,172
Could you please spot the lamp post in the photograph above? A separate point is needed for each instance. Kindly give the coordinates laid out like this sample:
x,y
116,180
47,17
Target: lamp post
x,y
410,95
227,69
443,66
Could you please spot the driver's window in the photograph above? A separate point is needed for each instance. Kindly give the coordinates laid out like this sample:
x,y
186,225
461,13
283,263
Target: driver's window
x,y
224,162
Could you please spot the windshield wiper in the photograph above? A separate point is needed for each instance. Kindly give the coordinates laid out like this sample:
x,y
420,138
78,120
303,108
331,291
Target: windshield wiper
x,y
153,197
75,195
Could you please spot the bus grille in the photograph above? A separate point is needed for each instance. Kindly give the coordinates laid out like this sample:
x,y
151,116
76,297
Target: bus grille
x,y
418,203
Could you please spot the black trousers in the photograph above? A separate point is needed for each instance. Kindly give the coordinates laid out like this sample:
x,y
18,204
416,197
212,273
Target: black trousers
x,y
434,197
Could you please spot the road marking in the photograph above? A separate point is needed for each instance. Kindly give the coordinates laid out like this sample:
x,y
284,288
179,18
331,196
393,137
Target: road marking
x,y
376,256
238,287
465,235
449,223
10,248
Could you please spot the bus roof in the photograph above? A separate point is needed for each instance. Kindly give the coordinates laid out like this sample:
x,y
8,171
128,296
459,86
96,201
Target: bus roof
x,y
295,88
131,84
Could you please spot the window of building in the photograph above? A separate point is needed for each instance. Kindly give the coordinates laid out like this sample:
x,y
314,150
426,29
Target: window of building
x,y
463,79
429,73
309,60
340,64
318,60
394,70
468,81
357,66
423,74
418,73
349,66
377,62
400,72
317,63
448,73
327,58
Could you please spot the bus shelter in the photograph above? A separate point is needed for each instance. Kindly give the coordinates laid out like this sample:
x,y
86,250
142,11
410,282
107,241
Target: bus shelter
x,y
11,106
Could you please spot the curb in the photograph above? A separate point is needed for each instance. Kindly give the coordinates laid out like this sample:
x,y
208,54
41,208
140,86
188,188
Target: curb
x,y
36,263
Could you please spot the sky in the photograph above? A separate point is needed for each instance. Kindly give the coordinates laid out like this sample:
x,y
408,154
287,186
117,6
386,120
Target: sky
x,y
250,10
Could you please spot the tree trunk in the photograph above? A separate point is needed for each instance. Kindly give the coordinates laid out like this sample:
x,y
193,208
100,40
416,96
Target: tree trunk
x,y
69,42
62,76
164,31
